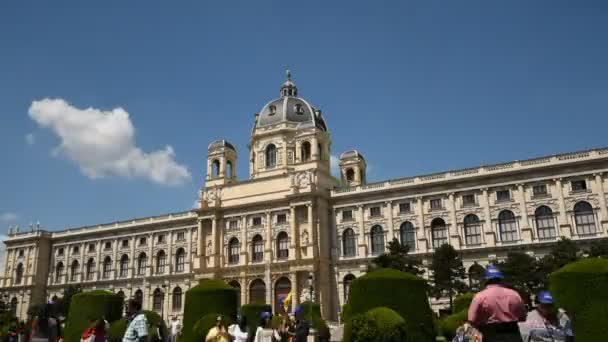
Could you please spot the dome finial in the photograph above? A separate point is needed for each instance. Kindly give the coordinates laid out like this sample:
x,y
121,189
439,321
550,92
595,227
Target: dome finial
x,y
288,73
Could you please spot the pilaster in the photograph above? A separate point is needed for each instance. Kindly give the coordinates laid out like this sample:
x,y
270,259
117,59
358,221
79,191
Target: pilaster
x,y
361,240
488,232
527,235
599,184
454,236
562,218
421,232
292,233
389,223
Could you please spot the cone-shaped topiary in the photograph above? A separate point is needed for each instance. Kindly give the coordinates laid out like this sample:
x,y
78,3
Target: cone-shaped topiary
x,y
379,324
90,305
402,292
580,288
211,296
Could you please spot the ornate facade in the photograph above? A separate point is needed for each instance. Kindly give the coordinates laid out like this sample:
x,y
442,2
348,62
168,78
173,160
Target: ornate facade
x,y
266,235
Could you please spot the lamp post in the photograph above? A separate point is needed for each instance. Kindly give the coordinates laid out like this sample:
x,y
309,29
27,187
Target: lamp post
x,y
311,332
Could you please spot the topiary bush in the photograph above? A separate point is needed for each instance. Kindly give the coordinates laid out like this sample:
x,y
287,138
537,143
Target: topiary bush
x,y
449,325
379,324
201,328
462,302
118,328
580,288
211,296
91,305
253,315
402,292
317,320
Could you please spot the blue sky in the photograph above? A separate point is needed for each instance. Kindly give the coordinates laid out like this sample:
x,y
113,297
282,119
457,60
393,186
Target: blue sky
x,y
417,87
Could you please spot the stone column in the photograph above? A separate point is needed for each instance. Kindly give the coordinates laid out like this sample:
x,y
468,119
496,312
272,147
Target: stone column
x,y
292,233
489,235
83,262
362,241
214,242
454,234
527,235
389,218
98,262
244,299
244,243
562,218
151,257
188,267
295,291
421,231
599,183
116,261
200,245
170,255
315,148
311,230
131,273
268,253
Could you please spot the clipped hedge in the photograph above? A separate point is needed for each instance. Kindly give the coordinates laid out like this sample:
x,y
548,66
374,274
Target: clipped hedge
x,y
580,288
118,328
317,320
449,325
462,302
211,296
402,292
379,324
253,315
91,305
201,328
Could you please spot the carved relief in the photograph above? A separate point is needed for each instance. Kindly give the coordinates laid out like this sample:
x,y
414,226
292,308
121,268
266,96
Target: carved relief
x,y
303,179
305,240
209,248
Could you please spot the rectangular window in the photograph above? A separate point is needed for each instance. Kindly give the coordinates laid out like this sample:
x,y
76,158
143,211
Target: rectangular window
x,y
374,212
125,243
435,203
21,253
258,251
75,250
302,213
60,252
143,241
256,221
468,199
539,190
91,247
281,218
233,224
180,262
579,185
405,207
160,239
181,236
347,215
503,195
107,246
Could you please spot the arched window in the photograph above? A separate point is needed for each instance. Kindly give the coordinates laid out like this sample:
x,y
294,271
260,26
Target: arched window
x,y
271,156
407,233
257,249
305,151
257,292
121,294
320,148
545,223
507,226
180,260
281,289
377,237
176,299
107,268
215,165
90,269
124,266
348,243
139,296
142,264
235,284
19,274
282,246
161,259
439,233
350,175
13,309
476,275
157,300
347,282
234,251
229,169
584,218
472,230
74,270
59,272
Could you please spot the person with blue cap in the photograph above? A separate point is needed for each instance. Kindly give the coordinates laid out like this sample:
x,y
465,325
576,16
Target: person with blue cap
x,y
265,332
302,326
546,322
496,309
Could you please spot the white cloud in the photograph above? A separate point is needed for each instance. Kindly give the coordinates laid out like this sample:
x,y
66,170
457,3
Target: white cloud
x,y
30,139
8,217
102,143
334,162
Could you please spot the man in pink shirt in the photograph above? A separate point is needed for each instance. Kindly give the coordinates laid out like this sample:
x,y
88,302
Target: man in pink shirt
x,y
496,310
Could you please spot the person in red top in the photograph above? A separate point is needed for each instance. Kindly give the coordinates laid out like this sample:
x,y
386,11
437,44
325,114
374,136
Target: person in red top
x,y
496,310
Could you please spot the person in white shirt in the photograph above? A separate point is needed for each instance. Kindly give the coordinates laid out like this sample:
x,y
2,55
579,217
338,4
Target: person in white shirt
x,y
175,328
238,331
265,333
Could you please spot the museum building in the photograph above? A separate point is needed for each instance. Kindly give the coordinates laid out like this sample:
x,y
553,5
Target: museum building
x,y
291,224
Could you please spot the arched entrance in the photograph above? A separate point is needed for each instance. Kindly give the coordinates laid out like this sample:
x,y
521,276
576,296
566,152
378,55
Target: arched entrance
x,y
282,288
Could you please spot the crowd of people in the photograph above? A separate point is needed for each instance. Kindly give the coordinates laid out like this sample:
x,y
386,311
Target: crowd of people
x,y
499,314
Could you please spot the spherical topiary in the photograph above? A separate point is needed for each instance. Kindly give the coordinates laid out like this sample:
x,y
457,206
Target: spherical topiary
x,y
581,289
462,302
449,325
118,328
86,306
201,328
379,324
402,292
209,297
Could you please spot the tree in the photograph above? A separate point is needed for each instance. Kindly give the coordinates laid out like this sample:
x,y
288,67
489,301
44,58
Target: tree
x,y
63,303
448,273
397,258
599,249
523,272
